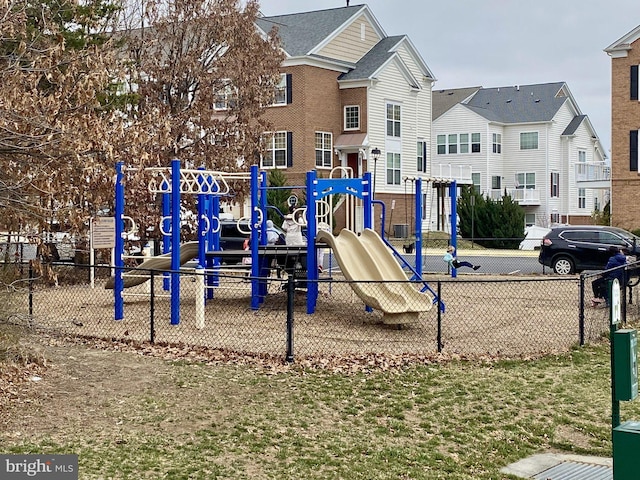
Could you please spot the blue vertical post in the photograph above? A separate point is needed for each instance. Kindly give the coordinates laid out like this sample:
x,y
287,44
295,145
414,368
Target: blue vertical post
x,y
118,285
365,191
257,290
453,192
312,259
175,242
418,228
367,198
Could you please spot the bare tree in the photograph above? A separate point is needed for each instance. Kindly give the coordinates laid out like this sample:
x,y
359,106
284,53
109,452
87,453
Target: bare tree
x,y
56,63
81,92
205,73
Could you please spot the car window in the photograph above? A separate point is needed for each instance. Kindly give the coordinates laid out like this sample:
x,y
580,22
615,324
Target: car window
x,y
610,238
580,236
230,231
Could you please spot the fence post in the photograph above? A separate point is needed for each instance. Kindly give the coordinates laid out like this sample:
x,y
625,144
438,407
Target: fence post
x,y
30,289
152,307
581,312
200,295
439,339
290,298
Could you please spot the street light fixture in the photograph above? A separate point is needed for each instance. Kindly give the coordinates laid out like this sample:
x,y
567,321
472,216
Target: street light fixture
x,y
376,153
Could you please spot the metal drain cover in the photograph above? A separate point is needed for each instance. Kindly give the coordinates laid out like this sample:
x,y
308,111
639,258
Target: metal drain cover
x,y
576,471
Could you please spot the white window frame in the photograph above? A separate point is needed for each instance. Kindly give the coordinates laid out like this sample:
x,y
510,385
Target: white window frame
x,y
393,115
441,147
582,198
276,142
349,118
476,140
280,93
529,141
452,144
476,181
225,97
555,185
464,143
324,149
529,219
526,180
393,168
497,143
582,156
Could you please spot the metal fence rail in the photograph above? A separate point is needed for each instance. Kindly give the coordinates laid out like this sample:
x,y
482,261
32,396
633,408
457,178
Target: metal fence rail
x,y
484,315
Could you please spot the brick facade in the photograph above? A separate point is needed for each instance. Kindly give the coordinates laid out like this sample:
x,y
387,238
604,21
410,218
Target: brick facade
x,y
315,107
625,116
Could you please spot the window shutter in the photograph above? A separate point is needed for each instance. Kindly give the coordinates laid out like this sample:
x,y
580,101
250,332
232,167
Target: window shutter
x,y
633,150
289,89
424,157
634,82
289,149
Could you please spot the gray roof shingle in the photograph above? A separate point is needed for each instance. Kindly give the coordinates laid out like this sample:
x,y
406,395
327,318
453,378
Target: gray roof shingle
x,y
519,104
443,100
300,33
574,124
373,59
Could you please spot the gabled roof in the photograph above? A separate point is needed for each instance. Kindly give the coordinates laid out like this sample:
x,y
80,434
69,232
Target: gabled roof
x,y
302,33
443,100
305,34
377,58
620,47
520,103
574,124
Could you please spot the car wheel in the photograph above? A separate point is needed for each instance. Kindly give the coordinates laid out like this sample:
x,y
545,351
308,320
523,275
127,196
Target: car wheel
x,y
563,266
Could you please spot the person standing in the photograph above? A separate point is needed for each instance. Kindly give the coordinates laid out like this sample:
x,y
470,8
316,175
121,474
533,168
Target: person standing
x,y
293,229
450,258
273,236
599,285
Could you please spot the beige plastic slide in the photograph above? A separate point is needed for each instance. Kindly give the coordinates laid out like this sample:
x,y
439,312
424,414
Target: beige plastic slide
x,y
137,276
366,258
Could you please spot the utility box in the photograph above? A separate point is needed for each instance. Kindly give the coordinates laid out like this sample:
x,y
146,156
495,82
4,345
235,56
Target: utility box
x,y
626,445
401,230
625,364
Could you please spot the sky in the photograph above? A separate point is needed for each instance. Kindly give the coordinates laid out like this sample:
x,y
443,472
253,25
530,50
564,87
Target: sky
x,y
497,43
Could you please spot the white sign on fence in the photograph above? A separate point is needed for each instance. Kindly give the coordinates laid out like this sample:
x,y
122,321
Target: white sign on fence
x,y
103,232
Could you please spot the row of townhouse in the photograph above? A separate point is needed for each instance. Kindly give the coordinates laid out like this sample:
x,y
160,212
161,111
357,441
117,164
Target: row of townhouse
x,y
355,98
530,141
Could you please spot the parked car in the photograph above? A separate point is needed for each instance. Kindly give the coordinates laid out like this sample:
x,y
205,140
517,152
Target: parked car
x,y
573,249
533,235
232,237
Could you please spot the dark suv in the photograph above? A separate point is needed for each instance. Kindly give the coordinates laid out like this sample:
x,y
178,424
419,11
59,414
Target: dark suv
x,y
572,249
232,237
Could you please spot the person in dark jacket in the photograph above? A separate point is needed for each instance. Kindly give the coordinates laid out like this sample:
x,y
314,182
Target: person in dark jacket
x,y
599,285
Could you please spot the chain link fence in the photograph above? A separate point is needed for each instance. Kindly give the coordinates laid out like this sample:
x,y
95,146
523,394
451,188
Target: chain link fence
x,y
478,315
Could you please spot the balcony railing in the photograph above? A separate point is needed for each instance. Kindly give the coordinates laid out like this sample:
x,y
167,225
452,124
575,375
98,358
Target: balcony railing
x,y
592,172
524,196
459,173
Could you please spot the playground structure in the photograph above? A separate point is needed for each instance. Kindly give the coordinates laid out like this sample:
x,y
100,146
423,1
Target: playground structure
x,y
210,186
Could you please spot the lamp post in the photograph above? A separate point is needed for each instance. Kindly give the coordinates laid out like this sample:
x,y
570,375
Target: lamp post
x,y
376,153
